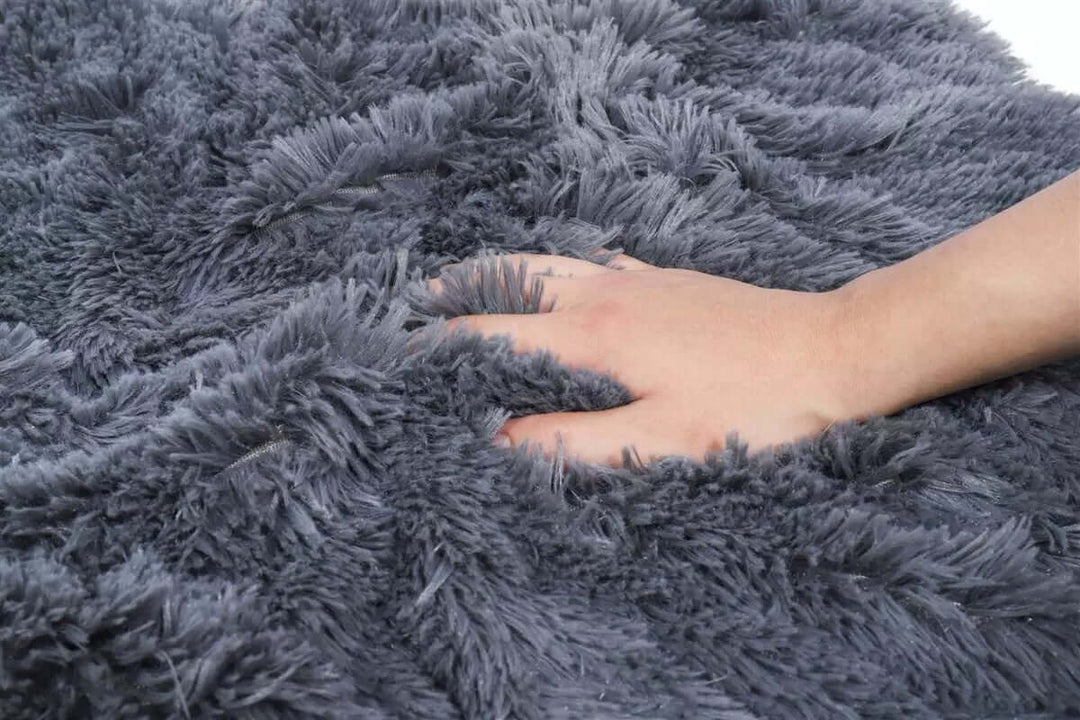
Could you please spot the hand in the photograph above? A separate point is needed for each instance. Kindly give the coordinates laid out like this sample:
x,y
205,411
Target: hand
x,y
701,355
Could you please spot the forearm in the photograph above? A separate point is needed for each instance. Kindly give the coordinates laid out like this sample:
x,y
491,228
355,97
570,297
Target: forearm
x,y
994,300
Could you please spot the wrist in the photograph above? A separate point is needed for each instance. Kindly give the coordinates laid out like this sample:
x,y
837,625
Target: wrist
x,y
904,335
864,339
994,300
836,372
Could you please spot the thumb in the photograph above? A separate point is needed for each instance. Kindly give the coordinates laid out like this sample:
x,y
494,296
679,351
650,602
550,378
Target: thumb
x,y
592,437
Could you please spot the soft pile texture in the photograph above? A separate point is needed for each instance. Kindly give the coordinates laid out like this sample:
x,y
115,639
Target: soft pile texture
x,y
229,488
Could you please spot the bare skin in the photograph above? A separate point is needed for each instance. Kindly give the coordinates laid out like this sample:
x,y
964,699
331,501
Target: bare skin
x,y
705,355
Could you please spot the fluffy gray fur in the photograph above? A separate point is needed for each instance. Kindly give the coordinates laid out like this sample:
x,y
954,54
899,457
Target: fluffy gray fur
x,y
244,473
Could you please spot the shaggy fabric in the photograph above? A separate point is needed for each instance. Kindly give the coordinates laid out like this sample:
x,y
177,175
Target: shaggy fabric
x,y
231,486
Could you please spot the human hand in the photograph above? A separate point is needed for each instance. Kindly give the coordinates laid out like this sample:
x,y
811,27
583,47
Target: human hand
x,y
701,355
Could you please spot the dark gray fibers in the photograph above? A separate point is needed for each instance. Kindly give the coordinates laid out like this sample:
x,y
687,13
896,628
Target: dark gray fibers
x,y
244,472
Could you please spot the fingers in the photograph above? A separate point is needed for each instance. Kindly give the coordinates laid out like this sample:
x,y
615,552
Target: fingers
x,y
548,266
622,261
557,265
536,264
558,334
563,293
559,292
627,263
596,437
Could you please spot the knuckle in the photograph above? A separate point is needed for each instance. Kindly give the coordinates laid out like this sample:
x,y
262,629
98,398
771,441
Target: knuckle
x,y
601,315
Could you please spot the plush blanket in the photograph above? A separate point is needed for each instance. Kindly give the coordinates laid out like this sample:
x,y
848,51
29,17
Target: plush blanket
x,y
231,487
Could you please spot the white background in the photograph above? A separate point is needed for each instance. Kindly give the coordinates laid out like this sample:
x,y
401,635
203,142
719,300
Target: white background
x,y
1044,34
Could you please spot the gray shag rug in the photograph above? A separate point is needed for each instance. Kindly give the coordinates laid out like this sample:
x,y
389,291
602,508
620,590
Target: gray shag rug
x,y
230,489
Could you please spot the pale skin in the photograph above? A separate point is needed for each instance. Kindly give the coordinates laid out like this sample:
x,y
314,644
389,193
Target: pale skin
x,y
704,355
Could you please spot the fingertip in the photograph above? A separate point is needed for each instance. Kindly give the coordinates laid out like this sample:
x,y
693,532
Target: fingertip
x,y
511,429
421,338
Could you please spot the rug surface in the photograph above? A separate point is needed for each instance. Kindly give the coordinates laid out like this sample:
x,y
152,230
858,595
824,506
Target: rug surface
x,y
229,489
